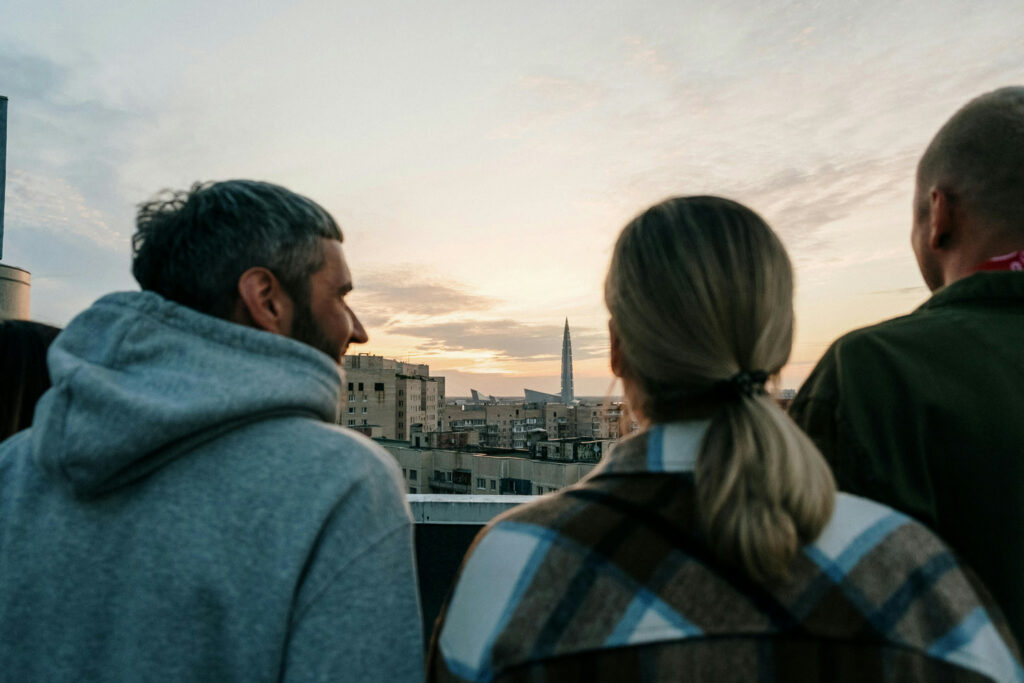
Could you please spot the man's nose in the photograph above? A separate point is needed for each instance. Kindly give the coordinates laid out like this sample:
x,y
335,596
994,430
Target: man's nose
x,y
359,335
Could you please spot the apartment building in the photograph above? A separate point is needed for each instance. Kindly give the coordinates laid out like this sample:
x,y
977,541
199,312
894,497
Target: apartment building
x,y
508,425
589,420
500,425
393,395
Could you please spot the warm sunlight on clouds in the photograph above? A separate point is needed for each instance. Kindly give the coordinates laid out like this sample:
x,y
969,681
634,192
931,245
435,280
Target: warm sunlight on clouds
x,y
395,293
482,157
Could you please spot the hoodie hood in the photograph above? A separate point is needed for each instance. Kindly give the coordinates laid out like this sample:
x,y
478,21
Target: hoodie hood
x,y
139,380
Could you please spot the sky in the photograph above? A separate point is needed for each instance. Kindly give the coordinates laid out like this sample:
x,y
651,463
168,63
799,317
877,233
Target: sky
x,y
482,156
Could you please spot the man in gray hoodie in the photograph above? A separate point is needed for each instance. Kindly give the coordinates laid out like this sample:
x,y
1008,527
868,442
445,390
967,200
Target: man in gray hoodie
x,y
183,507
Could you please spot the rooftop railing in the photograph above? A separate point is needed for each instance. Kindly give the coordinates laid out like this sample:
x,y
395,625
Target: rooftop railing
x,y
445,528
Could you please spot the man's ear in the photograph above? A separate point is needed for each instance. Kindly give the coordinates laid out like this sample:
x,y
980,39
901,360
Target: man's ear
x,y
263,303
618,361
942,222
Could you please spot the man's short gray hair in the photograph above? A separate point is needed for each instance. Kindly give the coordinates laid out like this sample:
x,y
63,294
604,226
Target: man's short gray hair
x,y
193,246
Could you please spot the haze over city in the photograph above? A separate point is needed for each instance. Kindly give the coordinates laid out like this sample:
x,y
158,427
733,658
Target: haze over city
x,y
482,157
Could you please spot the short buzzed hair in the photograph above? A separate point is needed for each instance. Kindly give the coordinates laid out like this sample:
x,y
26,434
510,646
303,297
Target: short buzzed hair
x,y
192,246
978,157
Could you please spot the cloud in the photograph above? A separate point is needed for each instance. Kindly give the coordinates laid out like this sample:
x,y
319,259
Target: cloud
x,y
916,290
799,203
57,207
557,90
387,296
30,77
544,101
411,301
645,55
66,218
65,151
508,340
459,383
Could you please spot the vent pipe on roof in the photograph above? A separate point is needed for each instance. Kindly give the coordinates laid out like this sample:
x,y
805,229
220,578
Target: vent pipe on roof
x,y
3,166
15,282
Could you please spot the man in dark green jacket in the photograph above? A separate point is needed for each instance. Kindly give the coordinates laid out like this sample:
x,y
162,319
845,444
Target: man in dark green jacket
x,y
926,412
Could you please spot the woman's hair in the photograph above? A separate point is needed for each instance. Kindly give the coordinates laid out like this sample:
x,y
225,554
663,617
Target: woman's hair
x,y
700,292
23,374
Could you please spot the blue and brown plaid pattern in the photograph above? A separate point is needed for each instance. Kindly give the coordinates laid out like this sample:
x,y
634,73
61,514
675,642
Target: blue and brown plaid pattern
x,y
609,580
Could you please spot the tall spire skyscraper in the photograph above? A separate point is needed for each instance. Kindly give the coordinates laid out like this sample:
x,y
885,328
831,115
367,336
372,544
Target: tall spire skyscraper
x,y
567,393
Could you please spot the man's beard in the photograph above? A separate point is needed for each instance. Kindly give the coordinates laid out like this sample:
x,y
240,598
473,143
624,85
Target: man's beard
x,y
306,330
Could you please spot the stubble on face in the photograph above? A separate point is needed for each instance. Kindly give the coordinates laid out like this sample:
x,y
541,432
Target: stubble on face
x,y
307,330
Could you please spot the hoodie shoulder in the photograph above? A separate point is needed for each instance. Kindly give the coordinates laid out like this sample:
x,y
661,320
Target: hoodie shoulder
x,y
139,380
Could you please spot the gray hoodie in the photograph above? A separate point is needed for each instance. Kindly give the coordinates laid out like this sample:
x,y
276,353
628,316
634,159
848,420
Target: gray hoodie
x,y
183,509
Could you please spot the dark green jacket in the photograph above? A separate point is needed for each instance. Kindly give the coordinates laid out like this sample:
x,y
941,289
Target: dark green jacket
x,y
925,413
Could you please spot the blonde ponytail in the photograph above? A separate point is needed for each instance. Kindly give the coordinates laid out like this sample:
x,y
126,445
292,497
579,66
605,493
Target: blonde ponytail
x,y
763,489
701,291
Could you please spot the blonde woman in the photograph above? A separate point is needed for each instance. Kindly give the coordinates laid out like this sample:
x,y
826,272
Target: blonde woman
x,y
712,545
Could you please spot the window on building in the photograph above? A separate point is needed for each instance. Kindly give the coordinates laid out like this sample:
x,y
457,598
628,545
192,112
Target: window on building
x,y
351,423
360,386
413,474
351,410
403,472
364,410
378,386
350,386
481,483
413,489
493,485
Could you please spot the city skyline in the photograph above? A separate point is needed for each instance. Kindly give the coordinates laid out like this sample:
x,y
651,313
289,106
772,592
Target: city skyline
x,y
481,159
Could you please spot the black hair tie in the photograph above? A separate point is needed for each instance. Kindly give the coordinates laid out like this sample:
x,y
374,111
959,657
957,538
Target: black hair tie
x,y
743,383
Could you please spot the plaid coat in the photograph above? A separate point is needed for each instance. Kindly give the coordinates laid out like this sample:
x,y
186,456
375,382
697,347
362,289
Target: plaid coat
x,y
609,581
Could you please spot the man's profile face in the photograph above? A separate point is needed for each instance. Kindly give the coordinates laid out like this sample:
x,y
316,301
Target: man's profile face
x,y
927,262
326,322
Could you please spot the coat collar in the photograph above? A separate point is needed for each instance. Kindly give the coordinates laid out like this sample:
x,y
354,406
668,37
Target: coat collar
x,y
993,287
664,448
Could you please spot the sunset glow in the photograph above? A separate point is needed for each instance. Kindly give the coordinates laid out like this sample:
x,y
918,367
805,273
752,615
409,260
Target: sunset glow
x,y
482,157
